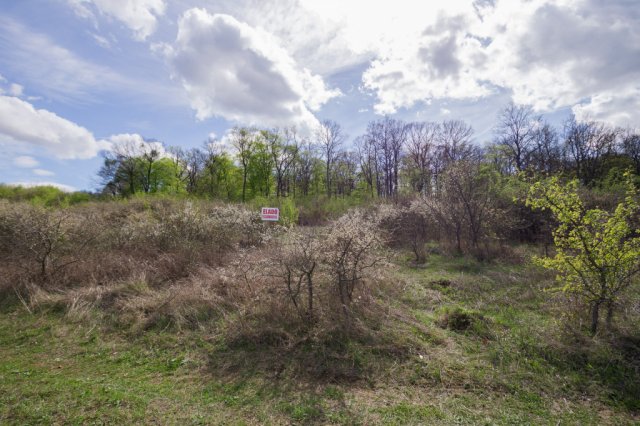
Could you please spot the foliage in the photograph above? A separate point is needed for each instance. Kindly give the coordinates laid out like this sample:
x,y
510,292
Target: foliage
x,y
597,252
47,196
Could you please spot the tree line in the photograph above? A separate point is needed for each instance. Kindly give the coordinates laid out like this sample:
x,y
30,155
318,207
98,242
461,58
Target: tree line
x,y
391,158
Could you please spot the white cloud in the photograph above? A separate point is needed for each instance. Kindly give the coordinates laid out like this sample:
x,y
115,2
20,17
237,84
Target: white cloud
x,y
43,172
25,161
233,70
622,109
101,41
583,54
15,89
63,187
134,144
139,15
21,123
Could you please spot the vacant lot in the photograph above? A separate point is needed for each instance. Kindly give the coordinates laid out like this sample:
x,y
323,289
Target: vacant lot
x,y
455,342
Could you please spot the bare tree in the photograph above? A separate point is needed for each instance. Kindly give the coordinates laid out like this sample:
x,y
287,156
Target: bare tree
x,y
195,161
587,143
283,147
454,145
516,130
546,156
466,206
346,166
367,161
421,143
631,147
297,262
330,137
388,137
304,166
179,162
210,158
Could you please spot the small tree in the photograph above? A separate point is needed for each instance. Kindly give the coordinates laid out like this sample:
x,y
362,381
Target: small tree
x,y
597,252
350,253
296,264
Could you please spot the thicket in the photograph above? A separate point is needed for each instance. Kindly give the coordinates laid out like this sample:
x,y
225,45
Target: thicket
x,y
165,248
159,263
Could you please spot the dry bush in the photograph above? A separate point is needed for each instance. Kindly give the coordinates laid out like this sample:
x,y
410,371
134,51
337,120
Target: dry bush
x,y
411,226
43,243
297,265
314,283
184,225
99,244
169,264
351,252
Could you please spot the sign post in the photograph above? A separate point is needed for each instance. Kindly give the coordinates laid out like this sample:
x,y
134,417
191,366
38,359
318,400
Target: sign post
x,y
270,214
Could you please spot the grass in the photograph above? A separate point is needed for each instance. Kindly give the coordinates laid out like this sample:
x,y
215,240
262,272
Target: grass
x,y
513,364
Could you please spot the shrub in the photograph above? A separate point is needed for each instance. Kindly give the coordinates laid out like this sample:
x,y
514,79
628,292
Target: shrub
x,y
597,252
297,265
351,254
41,242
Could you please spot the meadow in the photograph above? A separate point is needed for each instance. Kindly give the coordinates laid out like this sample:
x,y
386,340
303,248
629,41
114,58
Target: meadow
x,y
194,312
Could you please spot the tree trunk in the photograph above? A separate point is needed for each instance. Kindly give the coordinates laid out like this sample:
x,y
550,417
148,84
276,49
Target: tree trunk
x,y
595,317
244,183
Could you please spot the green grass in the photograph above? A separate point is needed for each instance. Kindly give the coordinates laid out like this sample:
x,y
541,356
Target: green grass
x,y
515,366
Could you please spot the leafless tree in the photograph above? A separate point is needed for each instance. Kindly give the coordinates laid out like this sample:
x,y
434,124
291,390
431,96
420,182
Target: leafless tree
x,y
179,162
421,142
329,137
516,130
367,161
455,141
121,169
546,156
345,169
283,146
304,166
587,143
631,147
465,207
195,161
388,137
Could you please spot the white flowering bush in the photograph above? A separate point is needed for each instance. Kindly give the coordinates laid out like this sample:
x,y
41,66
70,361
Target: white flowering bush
x,y
350,254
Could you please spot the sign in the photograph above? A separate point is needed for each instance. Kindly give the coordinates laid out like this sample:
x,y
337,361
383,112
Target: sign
x,y
270,213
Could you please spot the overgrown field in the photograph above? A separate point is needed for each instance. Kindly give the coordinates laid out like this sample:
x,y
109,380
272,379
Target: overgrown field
x,y
176,312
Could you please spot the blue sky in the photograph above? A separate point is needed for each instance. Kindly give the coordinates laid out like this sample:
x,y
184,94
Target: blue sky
x,y
77,75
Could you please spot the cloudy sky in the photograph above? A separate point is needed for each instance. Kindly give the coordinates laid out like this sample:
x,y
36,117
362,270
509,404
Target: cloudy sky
x,y
77,75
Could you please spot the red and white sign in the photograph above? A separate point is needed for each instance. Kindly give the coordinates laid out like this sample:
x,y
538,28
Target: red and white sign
x,y
270,213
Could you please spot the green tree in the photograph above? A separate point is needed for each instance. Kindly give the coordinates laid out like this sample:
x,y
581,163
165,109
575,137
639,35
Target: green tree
x,y
597,252
243,140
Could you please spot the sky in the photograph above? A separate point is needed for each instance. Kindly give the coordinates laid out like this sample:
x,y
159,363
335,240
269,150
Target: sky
x,y
77,76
